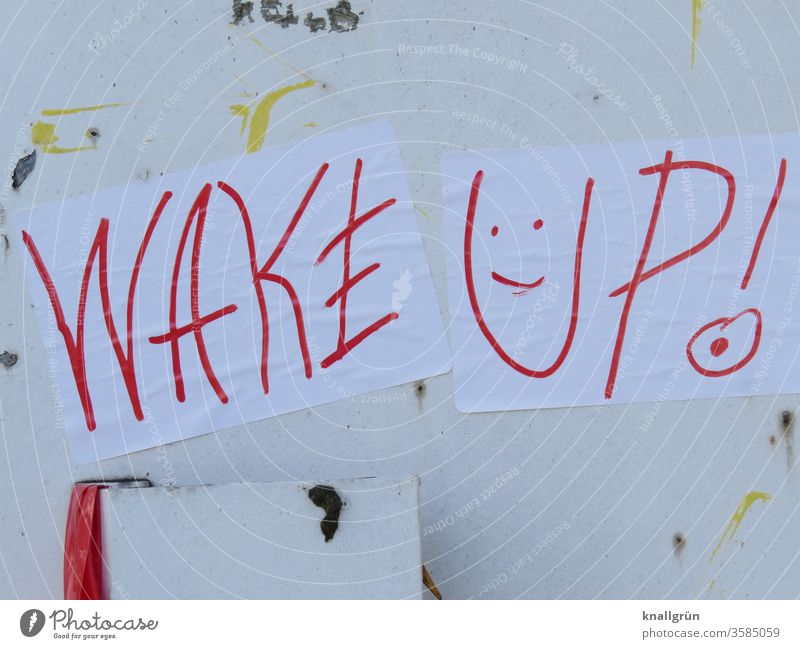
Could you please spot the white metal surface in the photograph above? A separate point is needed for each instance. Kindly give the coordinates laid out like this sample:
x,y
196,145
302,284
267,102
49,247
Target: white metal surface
x,y
582,502
262,541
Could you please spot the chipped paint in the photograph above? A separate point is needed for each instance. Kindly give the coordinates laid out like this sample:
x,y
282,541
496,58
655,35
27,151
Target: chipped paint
x,y
23,169
242,10
697,7
736,520
342,18
8,359
259,117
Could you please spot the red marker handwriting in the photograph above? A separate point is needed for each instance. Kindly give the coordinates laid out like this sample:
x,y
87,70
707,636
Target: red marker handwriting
x,y
345,237
75,344
175,333
265,274
640,275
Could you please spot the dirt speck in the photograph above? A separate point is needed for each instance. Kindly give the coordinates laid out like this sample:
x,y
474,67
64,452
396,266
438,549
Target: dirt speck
x,y
8,359
326,498
787,428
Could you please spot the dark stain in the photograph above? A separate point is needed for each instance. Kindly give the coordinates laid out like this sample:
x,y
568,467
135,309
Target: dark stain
x,y
9,359
342,18
6,243
314,24
420,390
787,428
678,542
242,10
596,97
326,497
24,167
270,11
772,440
93,132
288,19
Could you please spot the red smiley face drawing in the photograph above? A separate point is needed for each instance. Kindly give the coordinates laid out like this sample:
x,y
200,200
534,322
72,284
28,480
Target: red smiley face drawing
x,y
522,288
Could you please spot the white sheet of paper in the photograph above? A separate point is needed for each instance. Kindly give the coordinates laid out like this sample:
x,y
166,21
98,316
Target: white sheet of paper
x,y
535,198
272,185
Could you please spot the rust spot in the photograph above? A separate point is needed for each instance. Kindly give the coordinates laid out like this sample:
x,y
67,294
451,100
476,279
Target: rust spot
x,y
787,427
772,440
678,541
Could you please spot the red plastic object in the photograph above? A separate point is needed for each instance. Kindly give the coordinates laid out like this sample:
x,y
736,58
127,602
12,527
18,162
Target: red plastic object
x,y
83,550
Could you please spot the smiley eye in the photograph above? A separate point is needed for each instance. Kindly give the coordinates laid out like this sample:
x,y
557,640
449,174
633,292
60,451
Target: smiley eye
x,y
537,224
495,230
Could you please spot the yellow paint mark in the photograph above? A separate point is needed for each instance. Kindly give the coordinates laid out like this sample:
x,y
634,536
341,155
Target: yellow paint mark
x,y
260,116
56,112
697,7
43,135
273,55
311,125
243,111
421,211
738,515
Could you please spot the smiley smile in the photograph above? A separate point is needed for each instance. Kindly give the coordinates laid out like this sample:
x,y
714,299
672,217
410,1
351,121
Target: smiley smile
x,y
523,288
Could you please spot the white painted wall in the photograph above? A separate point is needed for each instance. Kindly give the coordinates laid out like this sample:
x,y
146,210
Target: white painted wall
x,y
593,501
